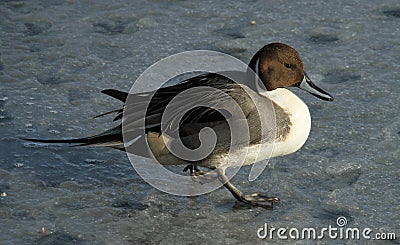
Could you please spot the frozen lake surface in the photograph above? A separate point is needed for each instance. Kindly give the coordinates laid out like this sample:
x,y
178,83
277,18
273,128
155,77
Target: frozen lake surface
x,y
56,57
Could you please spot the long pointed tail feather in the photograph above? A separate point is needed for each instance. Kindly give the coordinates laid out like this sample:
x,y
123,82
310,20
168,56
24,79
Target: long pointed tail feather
x,y
109,112
112,138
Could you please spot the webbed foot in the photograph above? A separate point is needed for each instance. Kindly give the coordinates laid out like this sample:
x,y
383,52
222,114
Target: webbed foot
x,y
255,199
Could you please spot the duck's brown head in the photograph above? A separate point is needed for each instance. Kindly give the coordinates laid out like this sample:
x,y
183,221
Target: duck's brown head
x,y
278,65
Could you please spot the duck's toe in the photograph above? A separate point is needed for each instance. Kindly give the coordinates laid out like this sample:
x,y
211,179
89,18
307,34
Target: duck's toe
x,y
257,199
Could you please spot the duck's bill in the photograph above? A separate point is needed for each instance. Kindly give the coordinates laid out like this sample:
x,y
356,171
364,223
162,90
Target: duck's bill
x,y
307,85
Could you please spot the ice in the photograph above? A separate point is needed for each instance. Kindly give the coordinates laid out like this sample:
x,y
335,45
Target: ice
x,y
56,57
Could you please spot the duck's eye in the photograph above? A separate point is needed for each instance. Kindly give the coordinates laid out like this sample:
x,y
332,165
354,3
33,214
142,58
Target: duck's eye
x,y
288,65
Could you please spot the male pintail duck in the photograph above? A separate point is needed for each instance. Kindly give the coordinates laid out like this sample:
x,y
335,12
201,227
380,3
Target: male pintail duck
x,y
277,66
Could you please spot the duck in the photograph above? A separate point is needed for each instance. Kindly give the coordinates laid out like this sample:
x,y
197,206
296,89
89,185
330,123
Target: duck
x,y
258,98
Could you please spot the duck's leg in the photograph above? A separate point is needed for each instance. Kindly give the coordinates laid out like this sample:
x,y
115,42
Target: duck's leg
x,y
194,170
255,199
200,176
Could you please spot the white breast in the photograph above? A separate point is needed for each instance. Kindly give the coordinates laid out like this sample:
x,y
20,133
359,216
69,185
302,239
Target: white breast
x,y
299,117
299,130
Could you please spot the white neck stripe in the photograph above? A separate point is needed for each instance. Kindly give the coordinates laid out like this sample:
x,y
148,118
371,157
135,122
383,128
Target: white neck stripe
x,y
256,66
